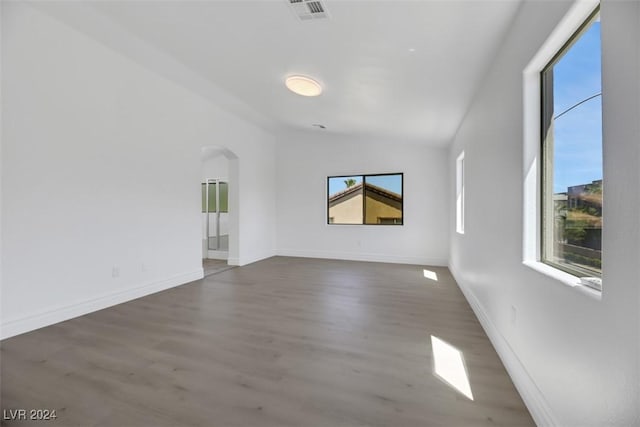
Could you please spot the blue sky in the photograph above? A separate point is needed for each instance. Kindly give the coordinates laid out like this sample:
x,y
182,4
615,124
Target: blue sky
x,y
389,182
578,133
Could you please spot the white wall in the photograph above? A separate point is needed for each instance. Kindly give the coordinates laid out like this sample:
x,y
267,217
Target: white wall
x,y
99,154
305,159
574,358
214,167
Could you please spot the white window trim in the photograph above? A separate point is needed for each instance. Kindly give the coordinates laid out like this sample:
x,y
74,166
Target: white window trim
x,y
460,194
532,155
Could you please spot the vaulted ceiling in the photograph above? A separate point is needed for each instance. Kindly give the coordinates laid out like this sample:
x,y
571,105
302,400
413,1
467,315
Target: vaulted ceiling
x,y
398,69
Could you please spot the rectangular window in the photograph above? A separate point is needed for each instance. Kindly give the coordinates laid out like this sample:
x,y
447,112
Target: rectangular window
x,y
365,199
572,155
460,193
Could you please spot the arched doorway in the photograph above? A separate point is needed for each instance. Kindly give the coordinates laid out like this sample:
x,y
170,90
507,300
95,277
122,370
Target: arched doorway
x,y
219,186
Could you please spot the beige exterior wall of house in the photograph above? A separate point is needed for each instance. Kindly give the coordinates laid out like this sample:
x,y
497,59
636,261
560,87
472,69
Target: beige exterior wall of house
x,y
348,211
377,209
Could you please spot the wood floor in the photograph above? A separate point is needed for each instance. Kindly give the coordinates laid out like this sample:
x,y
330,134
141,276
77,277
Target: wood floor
x,y
282,342
214,266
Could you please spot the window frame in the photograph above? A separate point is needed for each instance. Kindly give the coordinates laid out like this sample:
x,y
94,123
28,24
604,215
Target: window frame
x,y
546,185
364,212
531,158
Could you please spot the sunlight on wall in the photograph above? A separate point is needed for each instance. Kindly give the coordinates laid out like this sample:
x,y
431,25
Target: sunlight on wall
x,y
460,194
449,366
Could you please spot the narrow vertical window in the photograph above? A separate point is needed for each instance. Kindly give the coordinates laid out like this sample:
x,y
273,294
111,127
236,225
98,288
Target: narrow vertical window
x,y
572,178
460,193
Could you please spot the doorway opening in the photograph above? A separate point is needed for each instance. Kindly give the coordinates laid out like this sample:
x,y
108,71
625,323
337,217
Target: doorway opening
x,y
219,209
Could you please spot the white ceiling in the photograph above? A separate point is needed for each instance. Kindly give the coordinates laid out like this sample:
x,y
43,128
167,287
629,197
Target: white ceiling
x,y
398,69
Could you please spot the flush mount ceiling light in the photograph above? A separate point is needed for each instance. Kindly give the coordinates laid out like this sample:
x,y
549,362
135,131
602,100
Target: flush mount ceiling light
x,y
303,85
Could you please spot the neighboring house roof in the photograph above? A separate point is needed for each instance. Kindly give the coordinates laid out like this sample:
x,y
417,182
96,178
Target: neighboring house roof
x,y
357,189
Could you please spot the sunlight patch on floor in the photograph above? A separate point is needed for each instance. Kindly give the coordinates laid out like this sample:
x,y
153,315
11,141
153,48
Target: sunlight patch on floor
x,y
432,275
449,366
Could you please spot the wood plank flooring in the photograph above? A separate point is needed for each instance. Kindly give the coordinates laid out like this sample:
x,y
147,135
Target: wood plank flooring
x,y
281,342
214,266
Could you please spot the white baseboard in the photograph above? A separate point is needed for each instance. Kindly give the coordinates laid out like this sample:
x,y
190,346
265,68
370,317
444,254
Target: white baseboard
x,y
250,260
529,391
361,256
36,321
240,262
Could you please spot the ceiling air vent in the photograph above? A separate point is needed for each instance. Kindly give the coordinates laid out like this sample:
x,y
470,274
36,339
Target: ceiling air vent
x,y
308,10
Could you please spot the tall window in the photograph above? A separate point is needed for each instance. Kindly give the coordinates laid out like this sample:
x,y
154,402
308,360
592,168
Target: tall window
x,y
460,193
572,155
365,199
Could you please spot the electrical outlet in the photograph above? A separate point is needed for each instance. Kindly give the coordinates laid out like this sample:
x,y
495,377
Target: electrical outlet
x,y
143,267
514,315
115,271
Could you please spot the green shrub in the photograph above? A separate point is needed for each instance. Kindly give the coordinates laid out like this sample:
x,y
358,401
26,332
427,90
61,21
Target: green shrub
x,y
580,259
